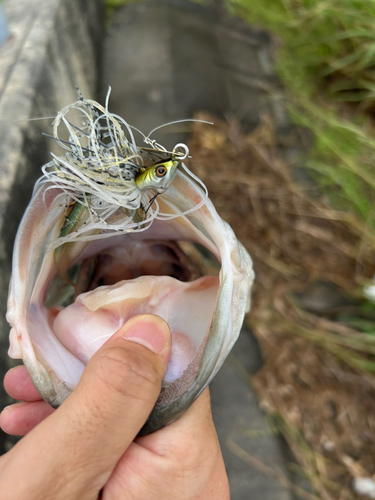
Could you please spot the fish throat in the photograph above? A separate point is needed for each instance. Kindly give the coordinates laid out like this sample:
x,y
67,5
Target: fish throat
x,y
113,280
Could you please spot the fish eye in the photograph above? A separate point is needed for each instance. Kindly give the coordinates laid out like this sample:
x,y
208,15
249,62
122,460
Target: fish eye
x,y
161,171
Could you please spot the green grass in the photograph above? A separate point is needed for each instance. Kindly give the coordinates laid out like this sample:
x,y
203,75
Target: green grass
x,y
112,5
326,62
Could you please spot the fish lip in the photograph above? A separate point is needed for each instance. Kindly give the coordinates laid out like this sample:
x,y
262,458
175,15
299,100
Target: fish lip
x,y
203,225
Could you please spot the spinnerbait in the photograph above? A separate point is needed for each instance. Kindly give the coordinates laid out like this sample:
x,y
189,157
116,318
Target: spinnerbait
x,y
104,179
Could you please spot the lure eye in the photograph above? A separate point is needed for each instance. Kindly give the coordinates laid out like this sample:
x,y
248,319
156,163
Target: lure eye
x,y
161,171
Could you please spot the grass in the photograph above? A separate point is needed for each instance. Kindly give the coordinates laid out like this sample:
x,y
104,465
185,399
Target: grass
x,y
326,63
312,464
115,4
325,59
112,5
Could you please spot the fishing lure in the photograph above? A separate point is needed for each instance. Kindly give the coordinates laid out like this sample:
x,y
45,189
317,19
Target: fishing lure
x,y
107,183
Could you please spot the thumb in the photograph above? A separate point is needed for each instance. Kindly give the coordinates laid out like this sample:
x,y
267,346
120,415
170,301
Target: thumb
x,y
85,438
121,384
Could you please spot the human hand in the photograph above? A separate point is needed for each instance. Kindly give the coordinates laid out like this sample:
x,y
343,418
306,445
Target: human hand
x,y
88,446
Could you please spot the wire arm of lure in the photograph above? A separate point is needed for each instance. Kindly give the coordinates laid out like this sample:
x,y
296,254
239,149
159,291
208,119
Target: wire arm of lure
x,y
178,154
175,122
79,130
155,145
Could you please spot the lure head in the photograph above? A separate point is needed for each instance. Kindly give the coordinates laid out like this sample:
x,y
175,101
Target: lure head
x,y
159,176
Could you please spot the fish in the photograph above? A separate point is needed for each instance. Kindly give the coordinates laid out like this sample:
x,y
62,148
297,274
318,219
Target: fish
x,y
76,280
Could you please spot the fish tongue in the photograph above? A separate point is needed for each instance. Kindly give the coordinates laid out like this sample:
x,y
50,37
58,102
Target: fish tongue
x,y
187,307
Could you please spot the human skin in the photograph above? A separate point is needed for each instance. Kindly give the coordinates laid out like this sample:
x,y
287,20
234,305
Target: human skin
x,y
88,448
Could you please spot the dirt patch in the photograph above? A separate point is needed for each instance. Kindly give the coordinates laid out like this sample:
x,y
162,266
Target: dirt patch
x,y
310,263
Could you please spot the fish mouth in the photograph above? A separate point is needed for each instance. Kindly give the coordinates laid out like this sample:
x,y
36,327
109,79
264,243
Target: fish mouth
x,y
189,270
134,275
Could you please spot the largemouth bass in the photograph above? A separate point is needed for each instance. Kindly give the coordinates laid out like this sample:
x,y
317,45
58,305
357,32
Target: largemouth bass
x,y
87,258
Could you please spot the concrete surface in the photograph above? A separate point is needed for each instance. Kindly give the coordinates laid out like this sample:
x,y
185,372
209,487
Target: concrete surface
x,y
238,418
53,47
167,59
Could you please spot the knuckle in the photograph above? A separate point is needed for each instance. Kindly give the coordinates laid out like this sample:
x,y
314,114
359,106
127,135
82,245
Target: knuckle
x,y
126,371
194,454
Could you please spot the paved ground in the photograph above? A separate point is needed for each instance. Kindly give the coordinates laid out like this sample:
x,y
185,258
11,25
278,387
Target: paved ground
x,y
164,60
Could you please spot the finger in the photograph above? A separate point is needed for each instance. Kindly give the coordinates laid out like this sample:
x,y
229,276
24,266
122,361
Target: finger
x,y
88,434
18,385
21,418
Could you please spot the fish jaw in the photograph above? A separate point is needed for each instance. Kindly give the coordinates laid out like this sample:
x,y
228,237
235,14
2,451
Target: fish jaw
x,y
55,364
31,270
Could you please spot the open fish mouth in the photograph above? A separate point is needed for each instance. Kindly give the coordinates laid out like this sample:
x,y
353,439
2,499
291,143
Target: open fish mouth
x,y
65,302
